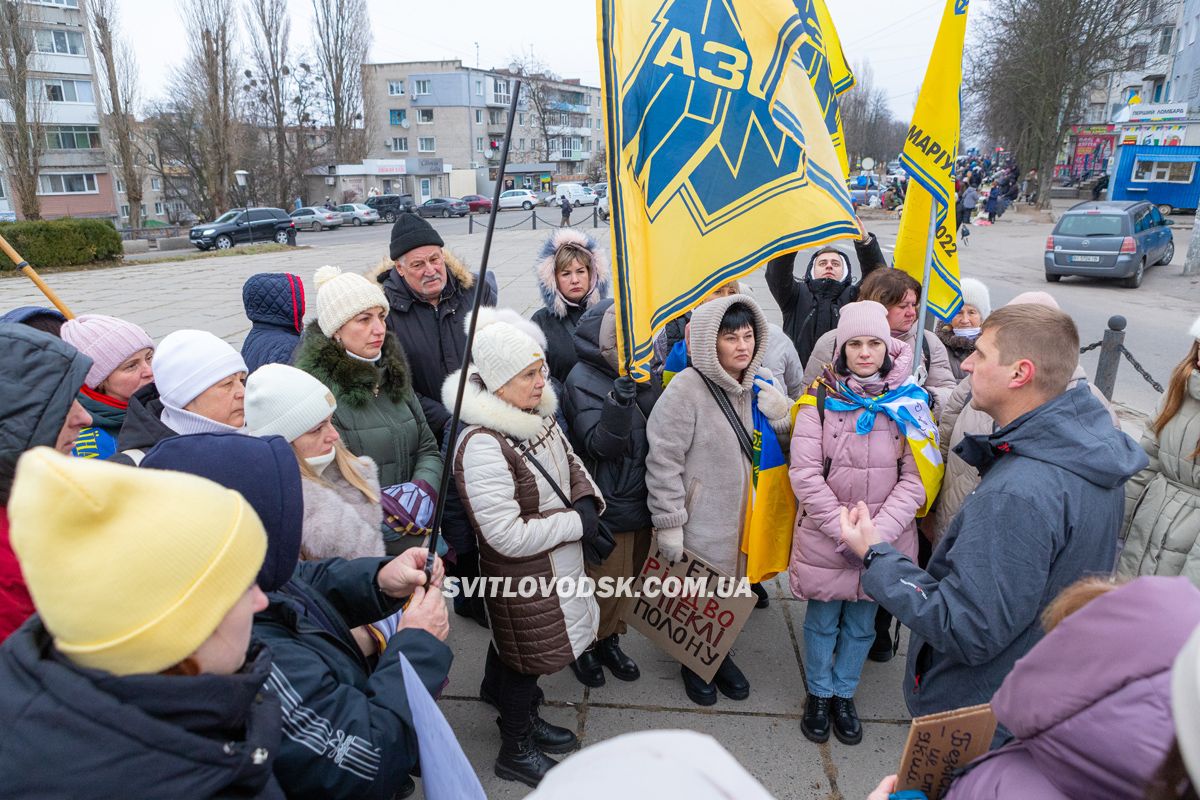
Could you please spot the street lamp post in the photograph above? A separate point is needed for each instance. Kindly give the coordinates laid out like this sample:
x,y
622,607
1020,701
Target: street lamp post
x,y
243,181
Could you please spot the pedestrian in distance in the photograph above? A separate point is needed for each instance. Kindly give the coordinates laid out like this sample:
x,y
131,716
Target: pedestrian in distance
x,y
849,447
993,204
121,353
565,205
1162,502
536,512
970,199
572,275
1046,513
274,303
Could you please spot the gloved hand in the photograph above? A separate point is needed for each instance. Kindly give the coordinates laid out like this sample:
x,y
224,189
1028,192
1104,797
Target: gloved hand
x,y
625,390
589,514
771,401
670,542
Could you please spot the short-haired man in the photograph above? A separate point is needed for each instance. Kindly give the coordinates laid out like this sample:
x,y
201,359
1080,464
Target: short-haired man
x,y
1046,513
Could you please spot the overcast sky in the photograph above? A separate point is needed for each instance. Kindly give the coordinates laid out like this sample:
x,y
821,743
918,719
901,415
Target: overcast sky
x,y
895,36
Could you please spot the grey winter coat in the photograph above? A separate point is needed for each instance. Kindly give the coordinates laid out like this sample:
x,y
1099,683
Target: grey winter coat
x,y
339,520
696,474
1046,513
1162,510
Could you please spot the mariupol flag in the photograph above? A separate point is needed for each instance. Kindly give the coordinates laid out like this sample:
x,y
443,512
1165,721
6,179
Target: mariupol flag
x,y
928,156
718,154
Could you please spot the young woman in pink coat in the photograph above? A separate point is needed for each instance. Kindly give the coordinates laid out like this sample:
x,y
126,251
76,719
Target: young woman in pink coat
x,y
844,452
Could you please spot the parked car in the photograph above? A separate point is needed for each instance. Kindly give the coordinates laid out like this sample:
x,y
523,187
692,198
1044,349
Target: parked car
x,y
443,207
316,218
357,214
602,208
243,225
601,190
518,198
577,194
478,203
1109,239
390,206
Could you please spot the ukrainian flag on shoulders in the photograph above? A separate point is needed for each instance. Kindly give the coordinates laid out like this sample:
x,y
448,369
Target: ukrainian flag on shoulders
x,y
928,157
719,153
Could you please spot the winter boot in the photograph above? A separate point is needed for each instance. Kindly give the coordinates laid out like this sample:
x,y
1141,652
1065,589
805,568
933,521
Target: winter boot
x,y
521,760
760,592
815,722
587,668
612,656
699,692
730,681
846,726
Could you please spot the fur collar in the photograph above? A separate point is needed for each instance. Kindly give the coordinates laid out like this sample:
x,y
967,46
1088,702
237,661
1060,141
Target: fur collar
x,y
481,407
354,381
961,345
547,281
455,268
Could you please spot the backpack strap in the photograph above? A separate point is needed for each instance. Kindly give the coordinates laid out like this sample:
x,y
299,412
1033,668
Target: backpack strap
x,y
822,390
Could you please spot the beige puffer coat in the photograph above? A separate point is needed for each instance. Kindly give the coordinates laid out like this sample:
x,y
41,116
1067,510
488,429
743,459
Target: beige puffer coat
x,y
1162,502
523,528
696,474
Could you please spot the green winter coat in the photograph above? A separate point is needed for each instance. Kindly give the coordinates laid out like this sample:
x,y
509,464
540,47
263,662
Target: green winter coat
x,y
1162,502
377,415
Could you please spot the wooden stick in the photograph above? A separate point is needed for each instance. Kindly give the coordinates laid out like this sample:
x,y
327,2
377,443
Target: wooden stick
x,y
31,273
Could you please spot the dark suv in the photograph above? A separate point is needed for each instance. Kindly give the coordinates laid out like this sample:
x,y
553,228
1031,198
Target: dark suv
x,y
240,225
390,205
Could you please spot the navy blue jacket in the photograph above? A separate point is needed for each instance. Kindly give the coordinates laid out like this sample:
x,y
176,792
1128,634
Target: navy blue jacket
x,y
84,733
274,303
347,727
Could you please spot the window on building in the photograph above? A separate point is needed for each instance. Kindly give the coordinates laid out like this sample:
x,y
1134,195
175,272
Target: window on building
x,y
397,116
521,118
424,115
2,195
156,184
67,183
1192,26
479,116
1164,39
1136,59
496,116
158,209
426,144
72,137
5,94
479,143
500,90
395,88
66,43
479,88
1163,171
65,91
400,144
520,144
63,3
120,186
421,87
125,212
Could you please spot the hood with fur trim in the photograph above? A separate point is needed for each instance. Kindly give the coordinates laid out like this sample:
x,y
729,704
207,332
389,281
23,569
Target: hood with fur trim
x,y
702,342
481,407
354,382
547,281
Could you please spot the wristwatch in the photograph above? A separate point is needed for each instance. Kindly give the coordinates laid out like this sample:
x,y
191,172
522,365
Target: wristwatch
x,y
869,556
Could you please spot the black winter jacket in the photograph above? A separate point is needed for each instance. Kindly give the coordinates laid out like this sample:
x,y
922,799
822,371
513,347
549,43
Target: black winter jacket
x,y
347,727
82,733
609,436
560,338
811,307
433,337
143,427
274,303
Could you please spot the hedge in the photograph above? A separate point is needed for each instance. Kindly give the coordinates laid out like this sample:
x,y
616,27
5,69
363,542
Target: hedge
x,y
63,242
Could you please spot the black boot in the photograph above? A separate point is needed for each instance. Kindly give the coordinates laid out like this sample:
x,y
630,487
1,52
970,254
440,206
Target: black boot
x,y
550,738
587,668
846,726
699,692
815,722
761,593
521,760
730,681
612,656
883,647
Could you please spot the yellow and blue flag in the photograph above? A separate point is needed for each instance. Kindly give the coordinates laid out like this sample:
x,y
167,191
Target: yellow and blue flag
x,y
767,539
719,157
825,62
928,156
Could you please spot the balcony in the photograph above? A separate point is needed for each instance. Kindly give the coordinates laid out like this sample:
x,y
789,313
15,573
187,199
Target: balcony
x,y
571,155
571,108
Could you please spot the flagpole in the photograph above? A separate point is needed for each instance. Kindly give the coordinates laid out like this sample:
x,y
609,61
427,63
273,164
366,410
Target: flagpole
x,y
31,273
918,343
480,284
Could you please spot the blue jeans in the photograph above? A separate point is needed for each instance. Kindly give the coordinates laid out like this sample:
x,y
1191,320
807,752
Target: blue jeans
x,y
837,636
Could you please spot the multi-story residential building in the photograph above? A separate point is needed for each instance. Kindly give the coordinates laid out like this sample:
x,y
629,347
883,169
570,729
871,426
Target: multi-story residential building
x,y
75,179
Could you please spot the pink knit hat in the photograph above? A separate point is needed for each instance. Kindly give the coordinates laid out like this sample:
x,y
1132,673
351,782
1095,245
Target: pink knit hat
x,y
108,341
864,318
1035,299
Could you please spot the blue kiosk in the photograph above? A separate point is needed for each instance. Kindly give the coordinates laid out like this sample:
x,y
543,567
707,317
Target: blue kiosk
x,y
1165,175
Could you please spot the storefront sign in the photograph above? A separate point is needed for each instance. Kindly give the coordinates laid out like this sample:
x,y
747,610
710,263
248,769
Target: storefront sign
x,y
1154,112
1170,134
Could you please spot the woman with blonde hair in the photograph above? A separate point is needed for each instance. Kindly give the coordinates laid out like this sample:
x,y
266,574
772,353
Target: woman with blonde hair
x,y
572,274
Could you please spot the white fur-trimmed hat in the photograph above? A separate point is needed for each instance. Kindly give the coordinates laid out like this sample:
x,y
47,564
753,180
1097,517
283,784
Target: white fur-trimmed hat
x,y
505,344
975,293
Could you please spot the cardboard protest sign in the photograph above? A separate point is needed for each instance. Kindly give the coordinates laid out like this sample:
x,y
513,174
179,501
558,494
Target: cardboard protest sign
x,y
939,744
690,610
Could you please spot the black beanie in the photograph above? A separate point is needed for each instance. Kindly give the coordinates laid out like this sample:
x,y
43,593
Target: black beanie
x,y
410,232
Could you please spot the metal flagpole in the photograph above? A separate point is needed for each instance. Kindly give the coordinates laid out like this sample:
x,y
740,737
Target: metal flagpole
x,y
436,526
919,342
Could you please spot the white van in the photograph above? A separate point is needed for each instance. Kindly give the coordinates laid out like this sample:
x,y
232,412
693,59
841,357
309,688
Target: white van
x,y
576,194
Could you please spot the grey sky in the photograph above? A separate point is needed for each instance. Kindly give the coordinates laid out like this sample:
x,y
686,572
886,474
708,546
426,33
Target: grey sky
x,y
895,36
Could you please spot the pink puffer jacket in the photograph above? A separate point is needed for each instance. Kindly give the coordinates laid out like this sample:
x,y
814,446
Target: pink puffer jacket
x,y
877,468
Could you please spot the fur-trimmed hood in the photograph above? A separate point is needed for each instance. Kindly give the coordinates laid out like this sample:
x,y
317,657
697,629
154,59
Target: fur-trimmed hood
x,y
552,299
354,382
702,342
481,407
455,269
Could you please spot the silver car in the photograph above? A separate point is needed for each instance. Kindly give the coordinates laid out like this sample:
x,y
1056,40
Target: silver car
x,y
357,214
518,198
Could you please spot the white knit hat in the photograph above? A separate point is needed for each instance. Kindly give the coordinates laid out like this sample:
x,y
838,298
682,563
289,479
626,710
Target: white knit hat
x,y
342,295
505,344
975,293
1194,332
285,401
188,362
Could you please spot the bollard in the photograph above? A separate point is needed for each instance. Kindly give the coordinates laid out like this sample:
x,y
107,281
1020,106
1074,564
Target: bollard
x,y
1110,356
470,223
291,236
595,218
534,216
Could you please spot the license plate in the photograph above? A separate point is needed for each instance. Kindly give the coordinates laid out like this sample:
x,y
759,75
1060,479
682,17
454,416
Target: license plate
x,y
1087,259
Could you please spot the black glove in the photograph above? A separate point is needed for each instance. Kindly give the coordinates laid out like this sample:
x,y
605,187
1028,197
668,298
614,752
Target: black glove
x,y
589,514
625,390
597,542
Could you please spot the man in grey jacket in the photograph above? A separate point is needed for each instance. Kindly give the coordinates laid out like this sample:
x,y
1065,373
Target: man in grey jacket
x,y
1046,514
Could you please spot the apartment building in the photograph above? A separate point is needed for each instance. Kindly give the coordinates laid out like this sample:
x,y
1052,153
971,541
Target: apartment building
x,y
75,179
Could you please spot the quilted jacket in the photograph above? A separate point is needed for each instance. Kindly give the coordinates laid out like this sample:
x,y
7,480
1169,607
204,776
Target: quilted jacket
x,y
274,302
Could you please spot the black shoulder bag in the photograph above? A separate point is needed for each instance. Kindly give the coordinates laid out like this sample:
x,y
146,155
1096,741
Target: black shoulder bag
x,y
735,422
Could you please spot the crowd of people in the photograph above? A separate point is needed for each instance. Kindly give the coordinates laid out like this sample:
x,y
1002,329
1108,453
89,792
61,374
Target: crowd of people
x,y
213,563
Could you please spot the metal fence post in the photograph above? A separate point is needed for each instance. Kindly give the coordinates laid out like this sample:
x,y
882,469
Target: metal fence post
x,y
534,216
1110,356
470,223
595,218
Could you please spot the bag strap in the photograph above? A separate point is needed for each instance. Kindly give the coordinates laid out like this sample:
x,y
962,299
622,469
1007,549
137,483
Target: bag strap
x,y
732,418
545,474
823,390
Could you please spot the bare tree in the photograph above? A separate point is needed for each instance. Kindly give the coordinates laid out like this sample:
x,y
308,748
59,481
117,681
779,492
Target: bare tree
x,y
868,122
119,82
342,41
173,132
268,84
537,87
1034,63
24,141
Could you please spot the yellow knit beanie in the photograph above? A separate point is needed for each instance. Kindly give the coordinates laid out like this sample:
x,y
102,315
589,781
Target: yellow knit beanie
x,y
131,570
